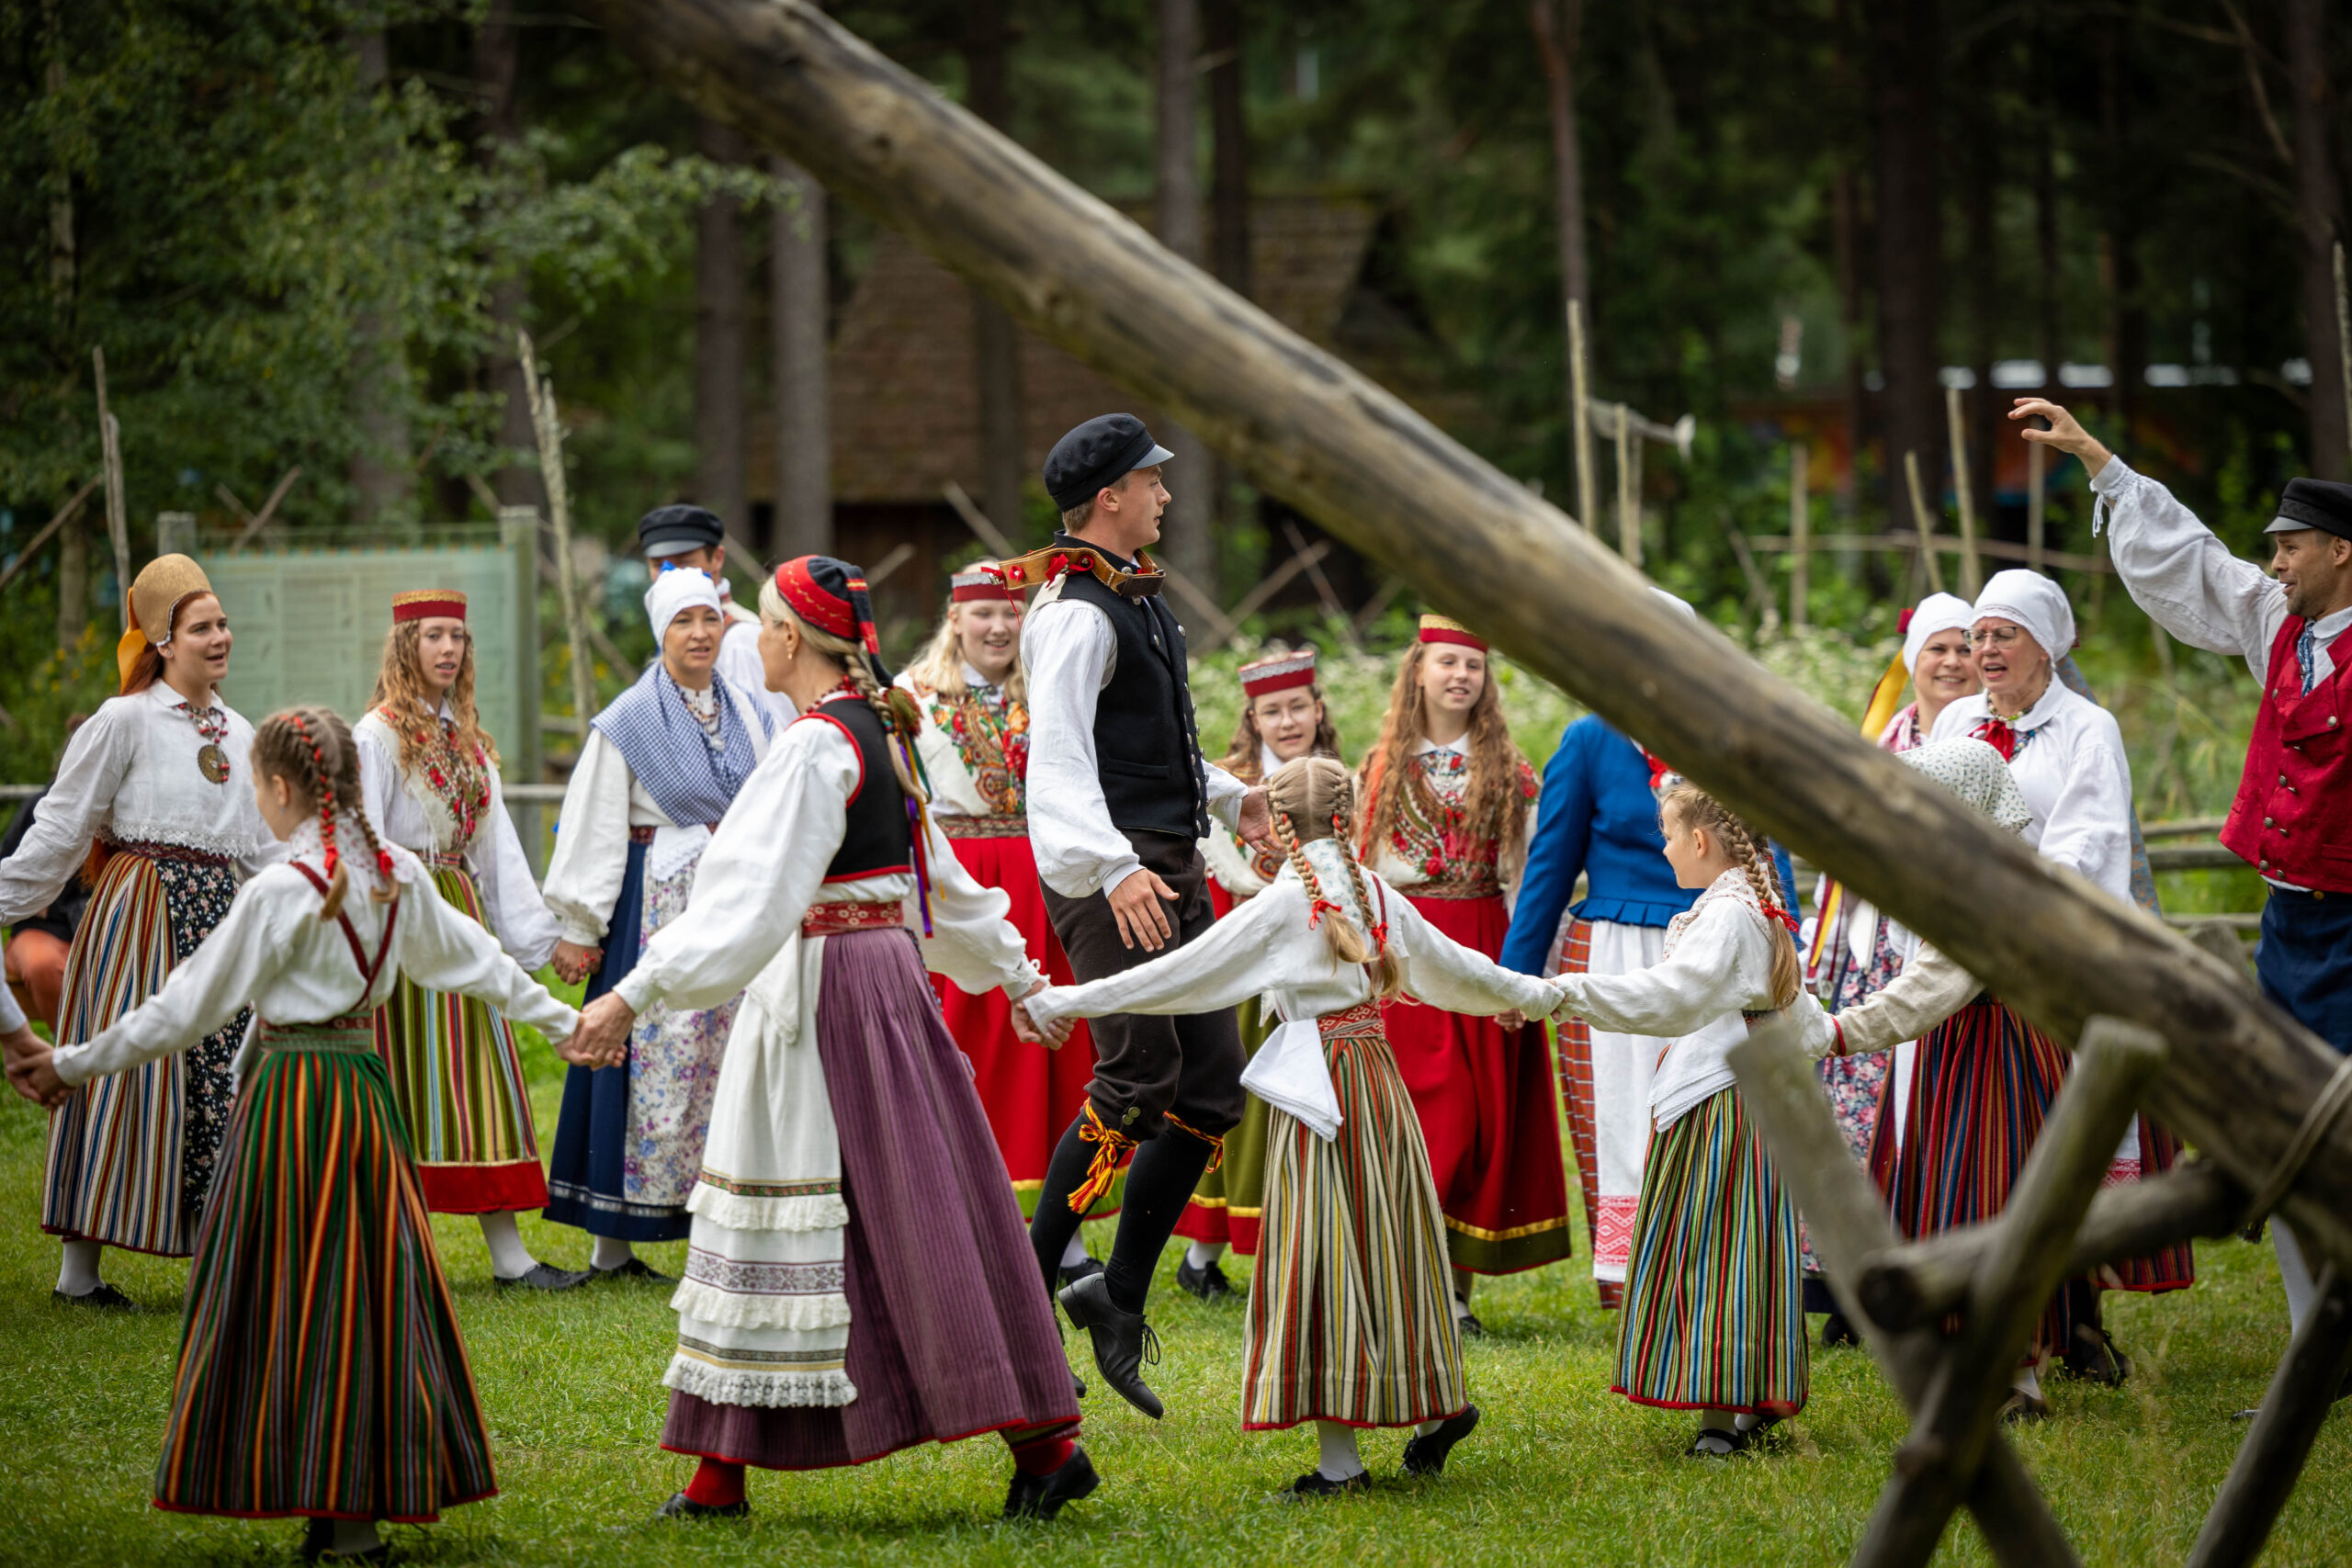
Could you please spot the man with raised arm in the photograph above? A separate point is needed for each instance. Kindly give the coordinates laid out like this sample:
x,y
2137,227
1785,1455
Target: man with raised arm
x,y
1119,797
2292,818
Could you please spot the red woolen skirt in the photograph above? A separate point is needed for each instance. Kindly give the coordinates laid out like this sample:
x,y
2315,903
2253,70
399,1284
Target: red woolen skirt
x,y
1489,1112
1031,1094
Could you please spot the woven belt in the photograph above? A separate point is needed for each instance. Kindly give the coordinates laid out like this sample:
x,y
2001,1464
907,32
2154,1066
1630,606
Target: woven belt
x,y
451,862
352,1034
991,826
640,835
1350,1024
146,850
842,915
1481,887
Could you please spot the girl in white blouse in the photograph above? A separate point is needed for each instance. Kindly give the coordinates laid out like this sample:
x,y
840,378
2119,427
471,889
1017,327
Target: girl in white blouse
x,y
429,777
1351,1320
1713,1317
321,1372
150,806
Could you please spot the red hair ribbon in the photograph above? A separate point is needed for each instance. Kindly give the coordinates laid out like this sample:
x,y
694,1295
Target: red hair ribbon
x,y
1774,912
1659,767
1315,911
326,792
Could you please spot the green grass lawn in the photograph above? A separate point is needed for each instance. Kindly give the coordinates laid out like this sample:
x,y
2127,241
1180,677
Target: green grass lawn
x,y
1561,1471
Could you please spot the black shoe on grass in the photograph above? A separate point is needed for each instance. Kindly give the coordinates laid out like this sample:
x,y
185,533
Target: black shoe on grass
x,y
1426,1456
681,1506
105,1298
1123,1342
1207,1281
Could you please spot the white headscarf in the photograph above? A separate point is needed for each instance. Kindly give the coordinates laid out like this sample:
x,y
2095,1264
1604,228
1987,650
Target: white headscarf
x,y
2035,602
1937,613
675,590
1680,603
1974,772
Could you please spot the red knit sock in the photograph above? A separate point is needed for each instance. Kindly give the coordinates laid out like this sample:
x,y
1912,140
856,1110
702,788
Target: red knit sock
x,y
717,1484
1043,1457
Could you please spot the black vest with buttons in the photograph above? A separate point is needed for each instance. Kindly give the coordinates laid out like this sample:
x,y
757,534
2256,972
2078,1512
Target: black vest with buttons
x,y
878,840
1146,750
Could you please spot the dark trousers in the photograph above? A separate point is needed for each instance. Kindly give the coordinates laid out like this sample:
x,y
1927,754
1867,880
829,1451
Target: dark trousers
x,y
1147,1068
2304,961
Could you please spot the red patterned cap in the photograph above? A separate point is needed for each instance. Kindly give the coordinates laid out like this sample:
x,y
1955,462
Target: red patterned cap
x,y
1278,674
1441,628
425,603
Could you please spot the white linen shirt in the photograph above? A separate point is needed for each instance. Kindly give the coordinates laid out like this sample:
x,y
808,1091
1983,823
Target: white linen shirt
x,y
407,812
272,950
130,774
1069,653
2179,572
2070,768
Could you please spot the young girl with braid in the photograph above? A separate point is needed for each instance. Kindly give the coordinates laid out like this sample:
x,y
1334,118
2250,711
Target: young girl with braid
x,y
1351,1315
1714,1315
320,1371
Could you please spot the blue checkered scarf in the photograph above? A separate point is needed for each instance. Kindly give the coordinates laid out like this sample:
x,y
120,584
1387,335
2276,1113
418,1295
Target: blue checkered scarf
x,y
672,757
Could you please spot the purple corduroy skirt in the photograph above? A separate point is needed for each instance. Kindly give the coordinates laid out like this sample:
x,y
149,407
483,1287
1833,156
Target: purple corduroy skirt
x,y
950,1331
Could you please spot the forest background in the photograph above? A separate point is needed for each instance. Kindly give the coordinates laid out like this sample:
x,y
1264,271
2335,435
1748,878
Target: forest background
x,y
304,232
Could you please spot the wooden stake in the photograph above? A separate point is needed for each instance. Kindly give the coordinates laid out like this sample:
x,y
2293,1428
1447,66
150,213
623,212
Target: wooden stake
x,y
1971,571
1800,535
64,516
2036,456
1580,417
260,520
2278,1445
117,510
1629,489
1927,522
548,427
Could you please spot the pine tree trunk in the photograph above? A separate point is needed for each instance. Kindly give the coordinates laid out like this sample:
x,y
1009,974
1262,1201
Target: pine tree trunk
x,y
720,317
1184,538
498,58
996,352
1906,45
383,464
1221,40
800,308
2318,209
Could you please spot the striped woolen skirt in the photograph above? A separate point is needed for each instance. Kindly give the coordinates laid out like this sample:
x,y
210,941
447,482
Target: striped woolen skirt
x,y
131,1156
458,1084
321,1371
1713,1317
1352,1304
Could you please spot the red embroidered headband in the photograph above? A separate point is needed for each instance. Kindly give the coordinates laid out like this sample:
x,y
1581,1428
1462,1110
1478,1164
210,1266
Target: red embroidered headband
x,y
1280,673
1440,628
982,585
830,596
425,603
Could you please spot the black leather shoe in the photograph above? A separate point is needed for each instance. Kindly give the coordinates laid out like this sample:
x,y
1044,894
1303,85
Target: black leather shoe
x,y
1837,1331
1426,1456
1467,1322
318,1546
1123,1342
2093,1357
1208,1282
634,1269
1314,1484
681,1506
1042,1496
1084,1268
106,1297
547,1277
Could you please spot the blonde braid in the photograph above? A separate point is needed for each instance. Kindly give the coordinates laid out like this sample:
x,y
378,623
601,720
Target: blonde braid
x,y
1388,980
1689,807
877,697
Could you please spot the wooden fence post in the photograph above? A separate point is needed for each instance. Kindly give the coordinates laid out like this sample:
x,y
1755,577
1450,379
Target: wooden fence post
x,y
548,426
1925,520
1800,535
1580,417
2035,506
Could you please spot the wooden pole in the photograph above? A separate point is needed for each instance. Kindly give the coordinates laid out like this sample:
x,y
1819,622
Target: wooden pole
x,y
118,508
1629,489
2036,455
2278,1445
64,516
548,426
1927,522
1971,571
1580,417
1800,535
2344,345
260,520
1478,545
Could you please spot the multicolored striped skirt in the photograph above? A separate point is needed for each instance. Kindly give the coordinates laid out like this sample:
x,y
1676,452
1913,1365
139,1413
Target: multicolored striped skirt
x,y
320,1371
458,1083
131,1154
1351,1305
1715,1314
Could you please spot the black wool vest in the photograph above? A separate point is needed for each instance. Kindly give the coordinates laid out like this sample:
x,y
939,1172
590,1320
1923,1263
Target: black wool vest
x,y
878,840
1146,750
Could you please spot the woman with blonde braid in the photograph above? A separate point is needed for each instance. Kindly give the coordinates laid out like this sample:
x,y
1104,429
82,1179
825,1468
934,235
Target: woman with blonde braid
x,y
1713,1306
858,1282
1447,799
321,1375
1351,1320
429,773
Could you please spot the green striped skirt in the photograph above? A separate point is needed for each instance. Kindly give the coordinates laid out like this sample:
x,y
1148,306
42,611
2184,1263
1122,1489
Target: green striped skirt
x,y
1713,1315
1351,1303
459,1085
321,1371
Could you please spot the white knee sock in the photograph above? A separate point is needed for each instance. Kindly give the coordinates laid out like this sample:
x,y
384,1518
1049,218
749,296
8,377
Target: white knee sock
x,y
509,1258
611,1253
354,1536
1201,1253
2294,1273
78,1274
2028,1382
1339,1460
1075,1253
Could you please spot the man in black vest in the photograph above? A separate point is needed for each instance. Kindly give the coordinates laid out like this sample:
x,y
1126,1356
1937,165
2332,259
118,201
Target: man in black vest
x,y
1119,797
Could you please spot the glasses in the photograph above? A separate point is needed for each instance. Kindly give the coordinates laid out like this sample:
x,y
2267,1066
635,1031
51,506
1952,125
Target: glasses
x,y
2000,637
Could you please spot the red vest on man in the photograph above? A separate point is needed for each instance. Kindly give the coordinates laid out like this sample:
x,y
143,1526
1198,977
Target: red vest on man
x,y
2292,818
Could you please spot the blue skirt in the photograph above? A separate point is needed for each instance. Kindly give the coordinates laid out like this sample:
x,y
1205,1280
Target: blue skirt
x,y
585,1179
